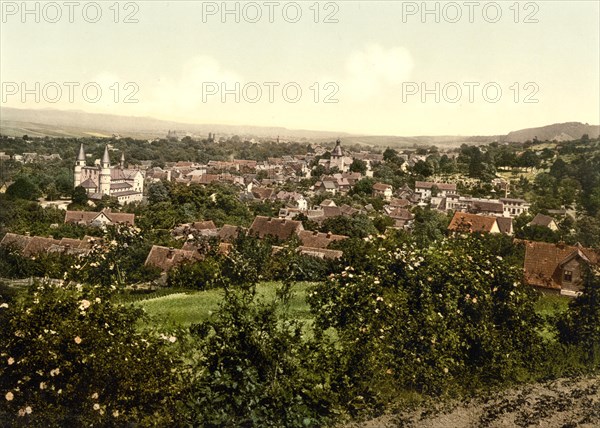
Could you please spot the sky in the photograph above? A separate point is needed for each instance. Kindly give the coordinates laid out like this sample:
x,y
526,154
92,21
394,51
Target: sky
x,y
380,68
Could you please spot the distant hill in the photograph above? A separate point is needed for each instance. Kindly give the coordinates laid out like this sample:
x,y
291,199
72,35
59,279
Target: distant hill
x,y
559,131
73,123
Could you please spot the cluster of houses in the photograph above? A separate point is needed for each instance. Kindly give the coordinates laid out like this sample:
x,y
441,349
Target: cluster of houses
x,y
554,268
315,244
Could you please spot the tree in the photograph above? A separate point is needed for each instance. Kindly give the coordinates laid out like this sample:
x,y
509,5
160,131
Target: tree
x,y
363,187
79,196
157,192
581,323
23,188
358,165
390,155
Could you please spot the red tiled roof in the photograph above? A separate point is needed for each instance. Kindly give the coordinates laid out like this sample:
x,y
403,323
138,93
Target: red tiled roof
x,y
542,259
317,239
280,228
166,258
466,222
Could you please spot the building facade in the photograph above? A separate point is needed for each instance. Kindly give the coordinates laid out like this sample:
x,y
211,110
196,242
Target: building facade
x,y
125,184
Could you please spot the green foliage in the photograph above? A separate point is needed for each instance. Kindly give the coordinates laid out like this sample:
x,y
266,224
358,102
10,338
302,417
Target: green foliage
x,y
442,318
23,188
359,226
200,275
253,368
70,357
79,196
580,324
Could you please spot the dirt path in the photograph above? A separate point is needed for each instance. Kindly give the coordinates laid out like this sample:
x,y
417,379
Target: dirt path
x,y
563,403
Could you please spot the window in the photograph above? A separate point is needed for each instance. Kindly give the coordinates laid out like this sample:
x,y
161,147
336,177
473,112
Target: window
x,y
568,276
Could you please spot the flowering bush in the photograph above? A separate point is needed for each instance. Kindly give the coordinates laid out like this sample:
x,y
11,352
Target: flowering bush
x,y
450,314
71,357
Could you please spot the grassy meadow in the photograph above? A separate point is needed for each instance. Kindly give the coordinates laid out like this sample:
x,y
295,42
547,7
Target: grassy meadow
x,y
183,308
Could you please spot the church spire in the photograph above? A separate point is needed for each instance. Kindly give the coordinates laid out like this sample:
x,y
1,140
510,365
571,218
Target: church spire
x,y
81,156
105,157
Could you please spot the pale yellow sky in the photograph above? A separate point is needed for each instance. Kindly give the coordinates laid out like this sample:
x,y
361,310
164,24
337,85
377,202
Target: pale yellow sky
x,y
362,67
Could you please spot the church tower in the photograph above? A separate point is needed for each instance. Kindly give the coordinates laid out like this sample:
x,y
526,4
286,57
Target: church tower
x,y
79,164
122,160
105,173
337,156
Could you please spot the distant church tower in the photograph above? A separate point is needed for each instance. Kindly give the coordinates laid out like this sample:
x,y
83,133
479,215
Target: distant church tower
x,y
337,156
79,164
122,160
105,173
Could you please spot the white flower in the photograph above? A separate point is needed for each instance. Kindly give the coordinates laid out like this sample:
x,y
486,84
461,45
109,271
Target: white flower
x,y
84,304
115,413
77,340
54,372
28,410
96,406
3,305
95,396
21,412
98,300
9,396
11,361
172,339
42,385
445,369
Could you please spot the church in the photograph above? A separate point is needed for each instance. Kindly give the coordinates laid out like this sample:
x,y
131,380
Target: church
x,y
127,185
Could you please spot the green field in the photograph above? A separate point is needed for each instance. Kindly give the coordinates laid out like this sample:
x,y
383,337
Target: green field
x,y
183,308
189,307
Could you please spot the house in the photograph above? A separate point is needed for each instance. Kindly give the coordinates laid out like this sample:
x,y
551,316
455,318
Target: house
x,y
557,268
31,246
401,216
544,221
383,190
263,193
281,229
466,222
318,239
100,219
197,228
166,258
229,233
321,253
515,207
427,188
487,207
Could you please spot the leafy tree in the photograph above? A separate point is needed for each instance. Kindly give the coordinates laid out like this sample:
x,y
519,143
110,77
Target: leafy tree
x,y
580,324
79,196
23,188
363,187
157,192
358,165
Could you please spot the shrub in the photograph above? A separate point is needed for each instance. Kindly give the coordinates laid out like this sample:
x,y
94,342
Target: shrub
x,y
450,315
70,357
255,368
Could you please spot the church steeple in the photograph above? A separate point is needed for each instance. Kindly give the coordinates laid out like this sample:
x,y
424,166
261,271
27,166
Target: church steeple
x,y
122,160
81,156
79,164
105,173
105,157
